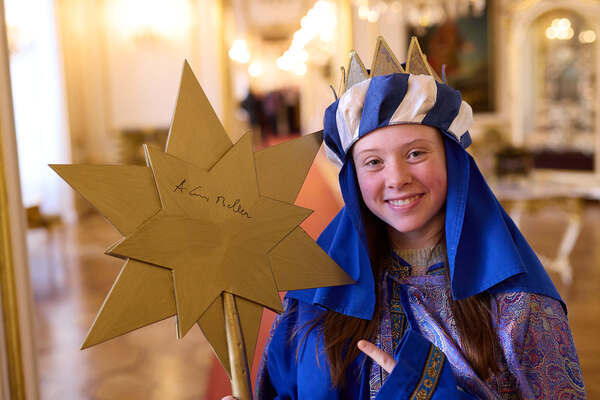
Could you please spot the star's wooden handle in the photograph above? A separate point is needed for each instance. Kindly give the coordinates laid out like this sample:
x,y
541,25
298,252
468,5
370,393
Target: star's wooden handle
x,y
240,373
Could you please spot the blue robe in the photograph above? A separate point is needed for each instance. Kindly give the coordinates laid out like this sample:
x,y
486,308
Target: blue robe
x,y
485,253
292,368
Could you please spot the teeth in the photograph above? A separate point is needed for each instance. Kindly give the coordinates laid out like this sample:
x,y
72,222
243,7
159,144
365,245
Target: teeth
x,y
403,202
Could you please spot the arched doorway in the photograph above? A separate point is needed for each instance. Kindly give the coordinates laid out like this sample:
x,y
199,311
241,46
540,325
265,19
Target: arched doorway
x,y
553,80
560,90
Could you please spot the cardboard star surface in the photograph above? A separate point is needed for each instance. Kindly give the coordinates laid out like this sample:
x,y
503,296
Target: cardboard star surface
x,y
384,62
204,217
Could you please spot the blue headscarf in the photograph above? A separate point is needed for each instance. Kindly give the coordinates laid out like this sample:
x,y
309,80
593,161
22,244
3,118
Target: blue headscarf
x,y
485,249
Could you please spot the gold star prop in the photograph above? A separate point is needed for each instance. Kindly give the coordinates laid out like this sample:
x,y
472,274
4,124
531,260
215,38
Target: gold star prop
x,y
203,218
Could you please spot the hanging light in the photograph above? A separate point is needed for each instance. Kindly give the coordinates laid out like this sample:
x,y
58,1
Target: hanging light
x,y
588,36
255,69
149,20
560,29
420,13
373,16
239,51
299,69
318,23
363,12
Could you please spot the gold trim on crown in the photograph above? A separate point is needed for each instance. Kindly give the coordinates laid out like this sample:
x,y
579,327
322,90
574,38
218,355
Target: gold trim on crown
x,y
385,63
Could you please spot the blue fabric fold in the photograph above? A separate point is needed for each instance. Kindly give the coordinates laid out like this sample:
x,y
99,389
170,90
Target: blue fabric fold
x,y
383,96
485,249
407,375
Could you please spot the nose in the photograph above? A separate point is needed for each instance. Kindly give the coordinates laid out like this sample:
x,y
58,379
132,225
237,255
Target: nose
x,y
397,175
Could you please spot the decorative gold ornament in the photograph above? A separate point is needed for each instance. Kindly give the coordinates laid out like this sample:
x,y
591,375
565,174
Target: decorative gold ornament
x,y
204,218
385,63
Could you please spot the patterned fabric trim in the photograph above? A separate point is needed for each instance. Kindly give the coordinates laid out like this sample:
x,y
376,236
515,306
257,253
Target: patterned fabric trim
x,y
431,375
436,269
397,317
383,341
393,319
399,267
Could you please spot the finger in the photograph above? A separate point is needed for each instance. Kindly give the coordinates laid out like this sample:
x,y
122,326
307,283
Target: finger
x,y
382,358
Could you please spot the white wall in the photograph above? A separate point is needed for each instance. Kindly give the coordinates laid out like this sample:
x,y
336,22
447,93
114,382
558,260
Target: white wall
x,y
123,61
389,25
145,65
39,106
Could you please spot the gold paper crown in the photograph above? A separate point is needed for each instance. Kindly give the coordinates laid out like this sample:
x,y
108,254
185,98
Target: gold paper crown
x,y
385,63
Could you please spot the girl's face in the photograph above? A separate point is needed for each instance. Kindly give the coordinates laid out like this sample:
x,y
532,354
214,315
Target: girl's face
x,y
401,171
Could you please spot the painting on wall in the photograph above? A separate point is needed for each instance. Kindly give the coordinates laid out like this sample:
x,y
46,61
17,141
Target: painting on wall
x,y
464,45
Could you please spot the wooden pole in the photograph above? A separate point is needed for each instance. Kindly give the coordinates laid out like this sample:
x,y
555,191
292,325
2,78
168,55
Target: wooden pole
x,y
240,373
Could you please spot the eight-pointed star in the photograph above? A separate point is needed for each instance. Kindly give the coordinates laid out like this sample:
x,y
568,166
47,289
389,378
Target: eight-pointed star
x,y
185,245
215,229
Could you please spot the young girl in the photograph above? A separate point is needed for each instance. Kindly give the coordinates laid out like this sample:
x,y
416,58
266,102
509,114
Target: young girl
x,y
450,301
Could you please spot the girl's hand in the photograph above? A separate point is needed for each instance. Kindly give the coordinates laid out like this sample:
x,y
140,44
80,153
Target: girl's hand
x,y
382,358
228,398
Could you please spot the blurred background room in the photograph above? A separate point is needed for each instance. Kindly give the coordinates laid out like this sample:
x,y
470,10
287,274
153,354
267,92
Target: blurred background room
x,y
90,81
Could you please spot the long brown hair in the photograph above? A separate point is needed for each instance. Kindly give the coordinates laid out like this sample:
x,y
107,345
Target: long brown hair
x,y
341,333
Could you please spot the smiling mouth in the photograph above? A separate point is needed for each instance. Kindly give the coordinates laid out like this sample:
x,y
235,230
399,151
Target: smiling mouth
x,y
403,202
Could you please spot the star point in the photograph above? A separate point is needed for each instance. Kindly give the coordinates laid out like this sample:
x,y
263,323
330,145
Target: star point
x,y
204,217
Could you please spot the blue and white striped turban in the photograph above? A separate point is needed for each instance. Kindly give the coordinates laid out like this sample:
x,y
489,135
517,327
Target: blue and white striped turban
x,y
394,99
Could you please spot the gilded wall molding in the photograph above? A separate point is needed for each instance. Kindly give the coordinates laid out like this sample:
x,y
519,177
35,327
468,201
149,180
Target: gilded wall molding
x,y
18,367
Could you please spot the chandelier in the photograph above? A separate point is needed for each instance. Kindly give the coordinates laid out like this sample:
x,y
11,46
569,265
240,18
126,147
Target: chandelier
x,y
420,14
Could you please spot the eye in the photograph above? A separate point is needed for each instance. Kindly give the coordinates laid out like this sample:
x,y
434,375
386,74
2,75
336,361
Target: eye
x,y
373,162
415,154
